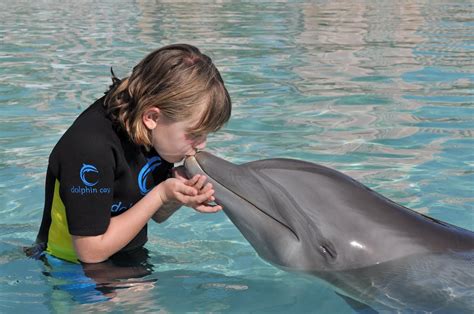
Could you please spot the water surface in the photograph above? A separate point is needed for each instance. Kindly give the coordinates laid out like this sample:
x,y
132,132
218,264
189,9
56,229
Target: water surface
x,y
381,90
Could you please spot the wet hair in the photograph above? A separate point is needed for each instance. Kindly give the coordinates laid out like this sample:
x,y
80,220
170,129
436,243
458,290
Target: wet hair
x,y
180,81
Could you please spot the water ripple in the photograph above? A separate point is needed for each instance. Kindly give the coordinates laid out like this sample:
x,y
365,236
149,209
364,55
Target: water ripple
x,y
380,90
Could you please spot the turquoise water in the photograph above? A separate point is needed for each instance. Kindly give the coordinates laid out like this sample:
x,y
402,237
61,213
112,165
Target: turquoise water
x,y
381,90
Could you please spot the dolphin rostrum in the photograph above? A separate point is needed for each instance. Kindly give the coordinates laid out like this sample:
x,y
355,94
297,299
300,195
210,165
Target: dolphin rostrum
x,y
308,218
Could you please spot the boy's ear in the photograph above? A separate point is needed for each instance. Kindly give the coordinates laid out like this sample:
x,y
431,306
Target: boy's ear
x,y
150,117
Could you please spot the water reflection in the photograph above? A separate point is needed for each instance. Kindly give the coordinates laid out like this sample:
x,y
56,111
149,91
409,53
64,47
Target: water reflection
x,y
380,90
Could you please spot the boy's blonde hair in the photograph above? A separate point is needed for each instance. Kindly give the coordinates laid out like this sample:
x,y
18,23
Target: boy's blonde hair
x,y
180,81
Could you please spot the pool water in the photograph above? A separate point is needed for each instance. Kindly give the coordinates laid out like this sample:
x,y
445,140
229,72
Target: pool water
x,y
381,90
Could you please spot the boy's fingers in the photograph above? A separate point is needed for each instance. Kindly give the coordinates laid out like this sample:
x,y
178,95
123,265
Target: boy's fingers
x,y
188,190
200,183
193,180
195,200
206,188
201,198
208,209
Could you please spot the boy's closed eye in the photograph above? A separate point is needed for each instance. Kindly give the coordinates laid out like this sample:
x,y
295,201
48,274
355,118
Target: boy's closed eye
x,y
195,136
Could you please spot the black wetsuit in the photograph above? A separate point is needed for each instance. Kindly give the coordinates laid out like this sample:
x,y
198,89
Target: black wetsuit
x,y
95,172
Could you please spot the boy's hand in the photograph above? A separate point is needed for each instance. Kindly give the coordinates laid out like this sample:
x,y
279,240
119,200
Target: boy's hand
x,y
204,189
192,192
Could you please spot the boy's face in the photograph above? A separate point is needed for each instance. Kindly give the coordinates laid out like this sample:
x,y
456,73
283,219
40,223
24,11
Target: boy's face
x,y
172,141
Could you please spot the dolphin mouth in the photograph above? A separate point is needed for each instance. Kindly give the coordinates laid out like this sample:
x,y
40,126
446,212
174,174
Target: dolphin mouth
x,y
192,165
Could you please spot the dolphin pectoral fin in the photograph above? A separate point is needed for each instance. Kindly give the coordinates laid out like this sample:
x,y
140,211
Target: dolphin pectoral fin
x,y
357,306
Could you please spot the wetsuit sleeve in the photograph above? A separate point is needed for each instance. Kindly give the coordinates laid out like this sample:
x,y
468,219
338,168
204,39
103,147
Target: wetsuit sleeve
x,y
86,177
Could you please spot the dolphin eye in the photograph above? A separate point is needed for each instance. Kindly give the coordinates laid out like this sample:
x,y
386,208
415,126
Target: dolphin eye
x,y
328,250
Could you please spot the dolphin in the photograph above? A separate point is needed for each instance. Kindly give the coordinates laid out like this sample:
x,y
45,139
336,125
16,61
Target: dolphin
x,y
308,218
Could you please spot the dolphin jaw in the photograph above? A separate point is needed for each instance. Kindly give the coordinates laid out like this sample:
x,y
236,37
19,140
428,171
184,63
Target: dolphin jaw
x,y
192,167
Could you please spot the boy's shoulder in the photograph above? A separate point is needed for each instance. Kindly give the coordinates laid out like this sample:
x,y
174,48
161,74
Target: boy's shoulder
x,y
93,119
92,128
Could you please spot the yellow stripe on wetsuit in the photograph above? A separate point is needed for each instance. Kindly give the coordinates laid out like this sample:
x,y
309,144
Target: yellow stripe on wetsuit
x,y
59,238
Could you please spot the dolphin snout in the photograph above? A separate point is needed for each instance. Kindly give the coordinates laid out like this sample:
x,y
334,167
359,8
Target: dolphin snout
x,y
191,166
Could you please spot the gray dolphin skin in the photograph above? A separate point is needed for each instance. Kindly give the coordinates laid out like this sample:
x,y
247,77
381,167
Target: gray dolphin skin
x,y
304,217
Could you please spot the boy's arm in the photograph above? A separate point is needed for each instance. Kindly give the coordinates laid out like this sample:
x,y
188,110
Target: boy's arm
x,y
170,208
124,227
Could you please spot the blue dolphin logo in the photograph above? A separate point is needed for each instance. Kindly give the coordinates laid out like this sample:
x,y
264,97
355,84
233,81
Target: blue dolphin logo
x,y
151,165
84,170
